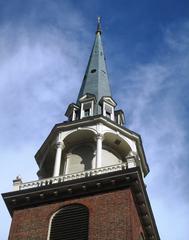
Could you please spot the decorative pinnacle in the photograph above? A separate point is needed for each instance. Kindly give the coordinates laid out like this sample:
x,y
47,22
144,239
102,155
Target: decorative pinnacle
x,y
99,26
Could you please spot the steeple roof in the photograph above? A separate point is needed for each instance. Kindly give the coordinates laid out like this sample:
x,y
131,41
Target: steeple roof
x,y
95,80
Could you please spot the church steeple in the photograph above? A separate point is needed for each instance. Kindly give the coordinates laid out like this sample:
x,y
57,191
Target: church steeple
x,y
95,80
91,168
95,94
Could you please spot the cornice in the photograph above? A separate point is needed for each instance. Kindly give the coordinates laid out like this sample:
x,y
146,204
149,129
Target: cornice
x,y
128,178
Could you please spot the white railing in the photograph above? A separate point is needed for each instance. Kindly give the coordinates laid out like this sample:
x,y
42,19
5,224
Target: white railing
x,y
18,185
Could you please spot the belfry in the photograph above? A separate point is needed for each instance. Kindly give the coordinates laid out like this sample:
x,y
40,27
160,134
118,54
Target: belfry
x,y
91,172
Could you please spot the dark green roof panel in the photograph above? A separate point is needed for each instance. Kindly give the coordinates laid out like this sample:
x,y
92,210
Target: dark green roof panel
x,y
96,78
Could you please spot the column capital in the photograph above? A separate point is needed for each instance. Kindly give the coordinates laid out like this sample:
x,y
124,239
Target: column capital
x,y
99,136
60,145
132,154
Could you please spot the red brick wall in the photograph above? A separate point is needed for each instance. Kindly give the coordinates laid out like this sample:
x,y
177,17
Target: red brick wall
x,y
113,216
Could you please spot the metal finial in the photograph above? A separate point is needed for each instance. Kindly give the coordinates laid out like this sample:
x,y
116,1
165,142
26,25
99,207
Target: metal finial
x,y
99,26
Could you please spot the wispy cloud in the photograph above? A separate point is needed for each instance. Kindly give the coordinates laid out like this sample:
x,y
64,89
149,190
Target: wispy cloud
x,y
156,101
41,71
41,66
35,79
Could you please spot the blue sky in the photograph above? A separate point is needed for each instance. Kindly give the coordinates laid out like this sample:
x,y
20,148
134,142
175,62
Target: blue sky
x,y
45,46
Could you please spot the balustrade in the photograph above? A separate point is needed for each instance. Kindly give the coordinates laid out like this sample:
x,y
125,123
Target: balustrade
x,y
68,177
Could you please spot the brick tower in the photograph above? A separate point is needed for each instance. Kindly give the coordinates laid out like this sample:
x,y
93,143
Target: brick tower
x,y
91,171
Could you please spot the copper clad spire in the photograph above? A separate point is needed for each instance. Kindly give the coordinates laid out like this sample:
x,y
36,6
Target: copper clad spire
x,y
95,80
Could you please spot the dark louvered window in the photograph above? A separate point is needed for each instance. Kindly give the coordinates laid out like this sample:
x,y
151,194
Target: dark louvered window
x,y
70,223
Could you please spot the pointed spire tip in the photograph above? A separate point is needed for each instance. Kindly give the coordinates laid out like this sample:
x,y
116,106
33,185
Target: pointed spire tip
x,y
99,19
98,25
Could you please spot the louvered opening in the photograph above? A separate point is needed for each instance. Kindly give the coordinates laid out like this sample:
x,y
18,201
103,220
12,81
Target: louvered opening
x,y
70,223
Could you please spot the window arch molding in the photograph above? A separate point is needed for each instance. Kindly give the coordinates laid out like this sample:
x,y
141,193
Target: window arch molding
x,y
70,223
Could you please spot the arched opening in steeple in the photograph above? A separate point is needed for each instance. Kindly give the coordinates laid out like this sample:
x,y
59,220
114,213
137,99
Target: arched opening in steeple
x,y
115,149
79,154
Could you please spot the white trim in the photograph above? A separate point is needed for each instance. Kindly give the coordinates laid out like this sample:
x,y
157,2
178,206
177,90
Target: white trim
x,y
50,223
109,100
91,108
99,138
72,176
105,110
74,114
81,112
58,157
66,164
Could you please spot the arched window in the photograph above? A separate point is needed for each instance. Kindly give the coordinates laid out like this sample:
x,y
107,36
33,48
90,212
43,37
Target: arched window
x,y
70,223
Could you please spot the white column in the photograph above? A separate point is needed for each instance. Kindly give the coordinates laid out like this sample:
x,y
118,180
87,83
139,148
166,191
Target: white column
x,y
94,163
99,138
57,163
94,152
67,164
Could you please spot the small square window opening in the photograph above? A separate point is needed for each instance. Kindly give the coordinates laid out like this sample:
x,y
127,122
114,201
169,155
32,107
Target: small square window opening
x,y
86,112
108,114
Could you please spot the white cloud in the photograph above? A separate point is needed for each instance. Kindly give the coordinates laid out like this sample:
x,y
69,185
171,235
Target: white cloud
x,y
157,102
41,71
36,77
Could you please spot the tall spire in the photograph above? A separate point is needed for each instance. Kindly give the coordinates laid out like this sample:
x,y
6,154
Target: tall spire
x,y
96,80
